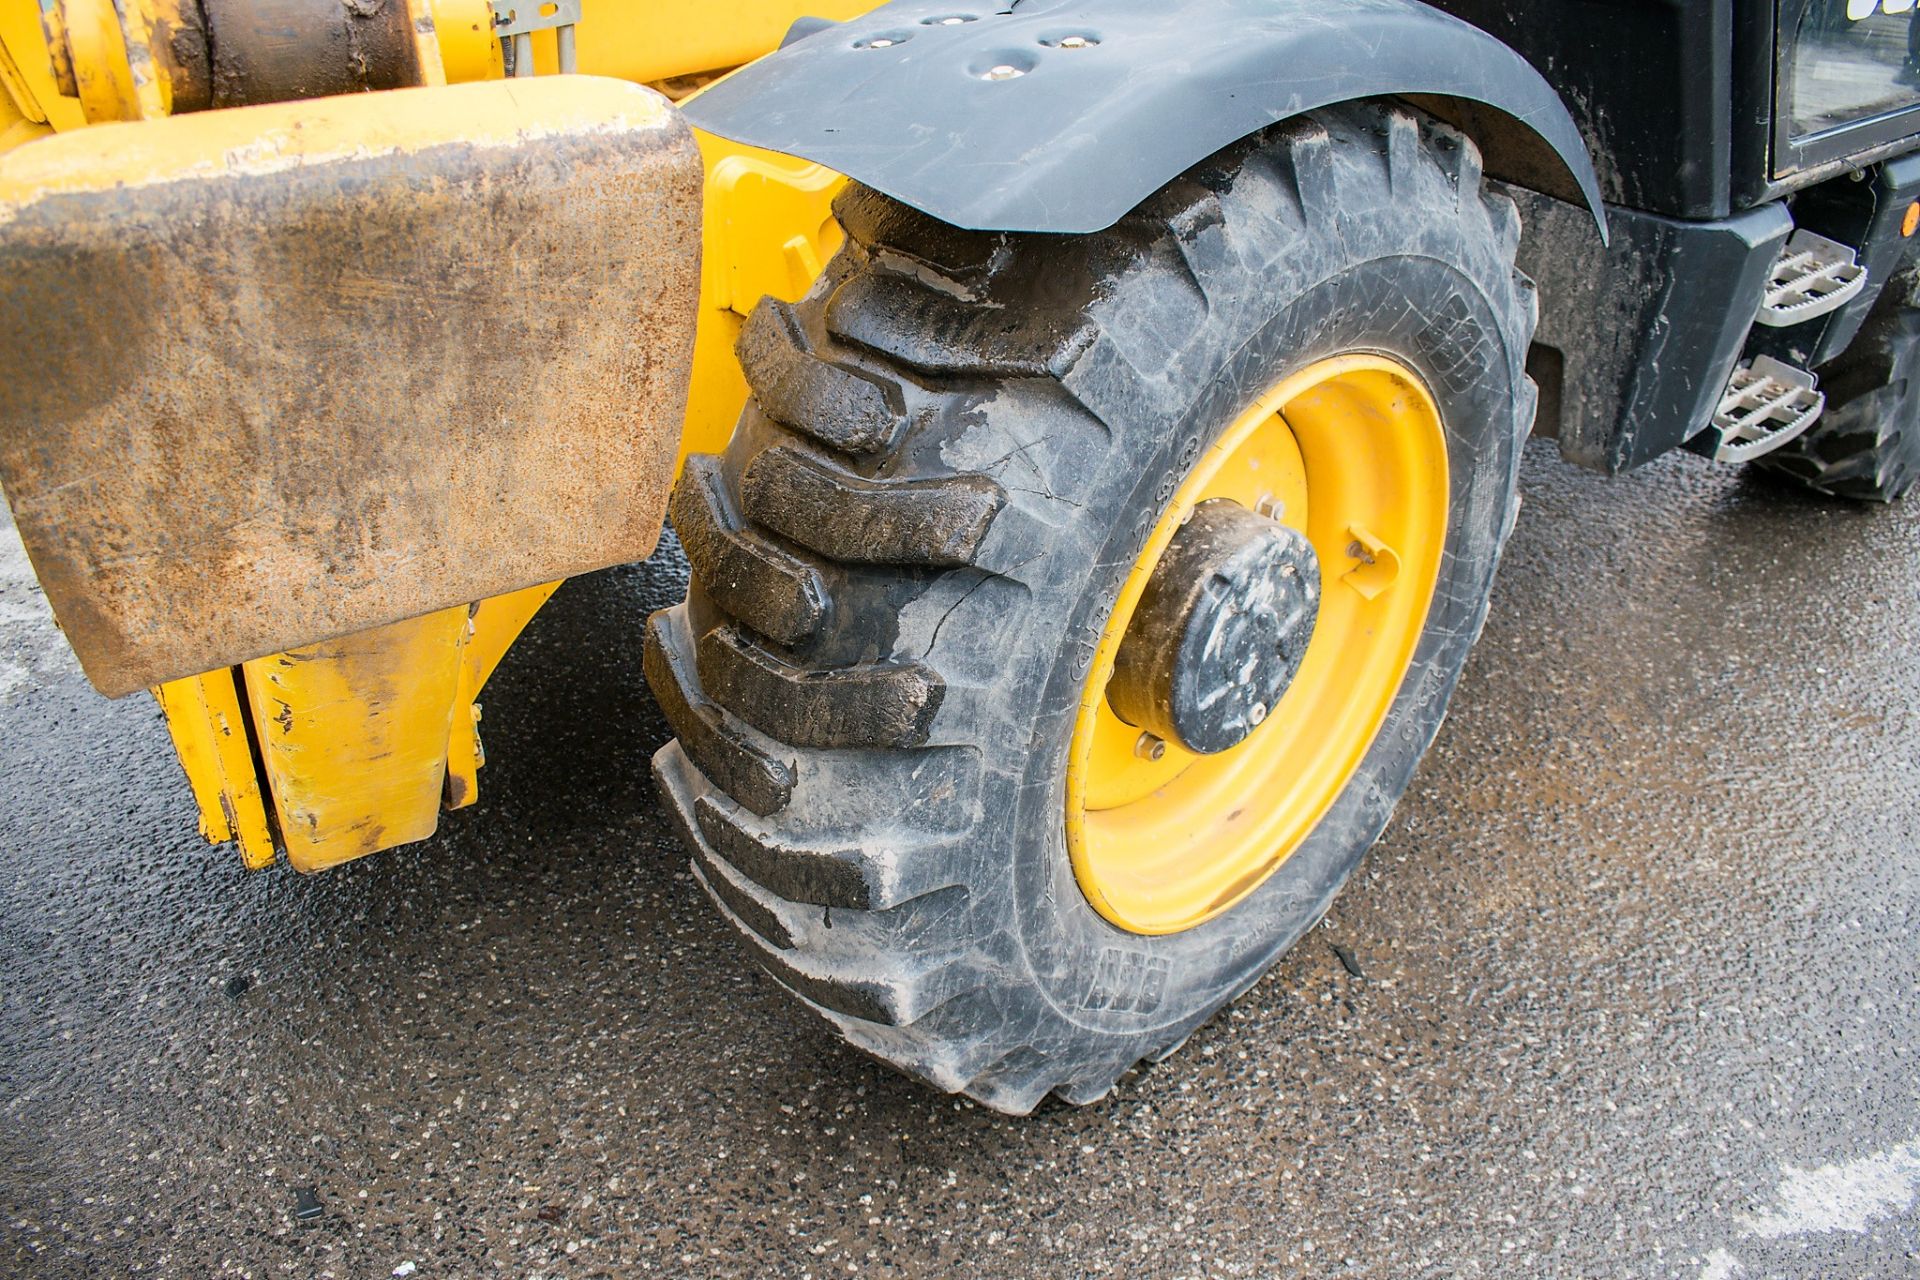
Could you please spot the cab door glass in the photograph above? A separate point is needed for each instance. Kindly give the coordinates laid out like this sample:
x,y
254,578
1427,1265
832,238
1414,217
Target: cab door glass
x,y
1851,60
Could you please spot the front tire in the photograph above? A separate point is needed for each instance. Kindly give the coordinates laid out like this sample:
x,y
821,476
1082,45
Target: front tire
x,y
905,562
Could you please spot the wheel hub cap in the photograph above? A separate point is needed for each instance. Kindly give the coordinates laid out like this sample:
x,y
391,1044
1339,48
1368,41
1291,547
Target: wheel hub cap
x,y
1219,631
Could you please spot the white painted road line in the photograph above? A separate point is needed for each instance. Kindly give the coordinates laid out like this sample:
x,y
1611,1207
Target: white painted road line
x,y
1850,1196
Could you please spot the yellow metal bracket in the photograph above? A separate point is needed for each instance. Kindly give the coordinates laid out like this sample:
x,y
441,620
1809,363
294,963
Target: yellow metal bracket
x,y
767,230
336,750
103,55
353,736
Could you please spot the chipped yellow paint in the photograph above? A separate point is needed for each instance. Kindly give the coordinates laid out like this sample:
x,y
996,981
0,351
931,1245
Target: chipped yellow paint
x,y
353,736
494,626
351,768
210,735
110,44
286,136
426,43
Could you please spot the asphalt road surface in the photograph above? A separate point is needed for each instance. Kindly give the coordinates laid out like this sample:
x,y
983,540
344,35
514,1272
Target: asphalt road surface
x,y
1638,987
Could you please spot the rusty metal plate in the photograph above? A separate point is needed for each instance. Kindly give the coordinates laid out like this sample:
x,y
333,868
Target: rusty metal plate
x,y
278,374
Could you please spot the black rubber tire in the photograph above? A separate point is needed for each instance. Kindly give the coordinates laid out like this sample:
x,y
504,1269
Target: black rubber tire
x,y
956,446
1866,445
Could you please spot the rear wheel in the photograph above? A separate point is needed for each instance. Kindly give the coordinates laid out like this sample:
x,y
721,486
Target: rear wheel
x,y
1866,444
1068,613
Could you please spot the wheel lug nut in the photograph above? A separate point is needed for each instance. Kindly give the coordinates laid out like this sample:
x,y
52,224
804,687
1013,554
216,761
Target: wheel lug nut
x,y
1270,506
1149,747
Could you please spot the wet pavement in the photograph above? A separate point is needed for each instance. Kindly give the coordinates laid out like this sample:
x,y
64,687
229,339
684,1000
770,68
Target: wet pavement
x,y
1638,966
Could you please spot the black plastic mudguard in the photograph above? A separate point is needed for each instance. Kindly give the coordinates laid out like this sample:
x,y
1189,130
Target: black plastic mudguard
x,y
1061,115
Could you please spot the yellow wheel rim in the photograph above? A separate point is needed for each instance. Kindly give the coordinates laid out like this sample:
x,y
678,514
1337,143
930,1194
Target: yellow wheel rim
x,y
1349,451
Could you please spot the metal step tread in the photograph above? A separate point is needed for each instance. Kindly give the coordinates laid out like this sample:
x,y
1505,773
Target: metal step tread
x,y
1812,276
1767,404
